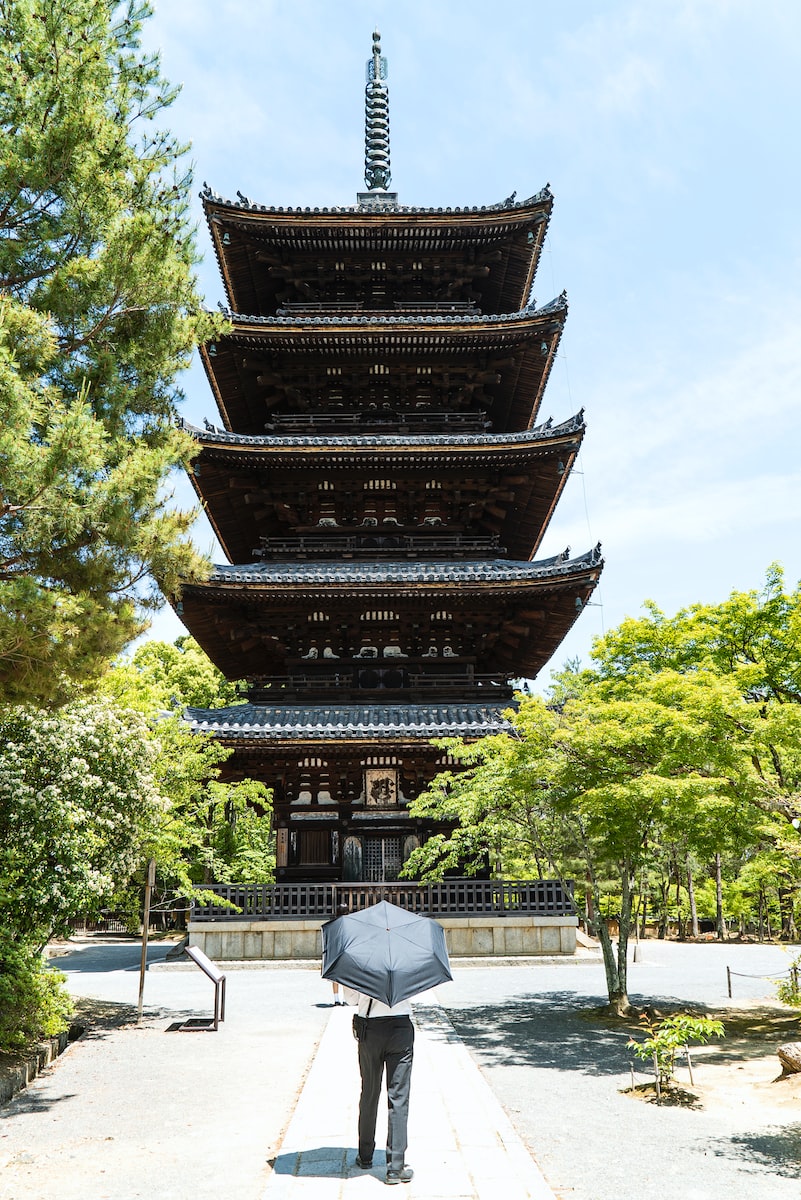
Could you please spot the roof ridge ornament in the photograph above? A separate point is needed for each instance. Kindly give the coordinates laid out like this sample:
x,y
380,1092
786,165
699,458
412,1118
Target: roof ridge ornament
x,y
376,121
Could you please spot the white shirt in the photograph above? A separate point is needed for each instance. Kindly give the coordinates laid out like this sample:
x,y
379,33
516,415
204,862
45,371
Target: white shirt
x,y
377,1009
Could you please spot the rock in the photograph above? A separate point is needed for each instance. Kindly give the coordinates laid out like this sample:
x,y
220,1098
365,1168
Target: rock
x,y
790,1057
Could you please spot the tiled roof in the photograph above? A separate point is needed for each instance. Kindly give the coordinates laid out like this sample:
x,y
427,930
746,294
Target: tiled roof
x,y
482,441
424,721
243,204
556,307
403,572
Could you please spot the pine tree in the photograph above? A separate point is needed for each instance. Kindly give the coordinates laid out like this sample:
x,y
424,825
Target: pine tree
x,y
98,313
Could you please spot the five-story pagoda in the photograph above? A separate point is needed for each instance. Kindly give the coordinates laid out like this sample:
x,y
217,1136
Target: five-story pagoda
x,y
380,487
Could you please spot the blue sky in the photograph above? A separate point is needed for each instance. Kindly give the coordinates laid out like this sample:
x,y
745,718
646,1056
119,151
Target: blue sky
x,y
669,133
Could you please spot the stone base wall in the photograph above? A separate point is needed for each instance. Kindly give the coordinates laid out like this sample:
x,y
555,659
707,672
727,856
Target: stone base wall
x,y
466,937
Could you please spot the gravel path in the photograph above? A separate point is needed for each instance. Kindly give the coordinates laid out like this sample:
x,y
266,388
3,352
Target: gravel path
x,y
558,1071
182,1116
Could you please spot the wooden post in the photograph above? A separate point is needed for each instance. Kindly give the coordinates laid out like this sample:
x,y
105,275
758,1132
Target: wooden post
x,y
656,1079
728,980
151,879
689,1065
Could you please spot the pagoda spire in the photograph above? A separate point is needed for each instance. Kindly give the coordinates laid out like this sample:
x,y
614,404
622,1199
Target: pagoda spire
x,y
376,121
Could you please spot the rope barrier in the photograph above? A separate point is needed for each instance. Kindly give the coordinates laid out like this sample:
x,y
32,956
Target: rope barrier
x,y
774,975
791,971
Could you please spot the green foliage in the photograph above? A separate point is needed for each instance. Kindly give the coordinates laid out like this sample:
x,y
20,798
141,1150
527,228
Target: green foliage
x,y
664,1038
679,745
99,311
33,1003
213,830
160,676
787,990
80,806
753,641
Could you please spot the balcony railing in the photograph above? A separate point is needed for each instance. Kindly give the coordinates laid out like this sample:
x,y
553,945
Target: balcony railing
x,y
403,421
349,545
450,898
374,677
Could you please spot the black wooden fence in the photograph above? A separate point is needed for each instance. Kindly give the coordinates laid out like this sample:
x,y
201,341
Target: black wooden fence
x,y
451,898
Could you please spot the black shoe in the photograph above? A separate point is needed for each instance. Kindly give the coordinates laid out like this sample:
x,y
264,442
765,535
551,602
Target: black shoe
x,y
364,1163
404,1175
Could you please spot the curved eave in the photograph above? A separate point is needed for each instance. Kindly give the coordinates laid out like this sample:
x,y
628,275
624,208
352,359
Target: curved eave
x,y
531,337
523,611
319,329
378,216
537,463
240,232
234,448
349,723
261,580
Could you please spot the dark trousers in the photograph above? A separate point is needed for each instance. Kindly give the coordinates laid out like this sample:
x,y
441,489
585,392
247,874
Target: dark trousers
x,y
388,1044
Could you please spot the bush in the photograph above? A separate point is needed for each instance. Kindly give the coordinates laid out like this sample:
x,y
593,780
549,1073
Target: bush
x,y
787,990
665,1037
33,1002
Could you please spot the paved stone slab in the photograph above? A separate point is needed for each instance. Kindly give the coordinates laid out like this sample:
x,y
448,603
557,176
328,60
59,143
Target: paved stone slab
x,y
461,1143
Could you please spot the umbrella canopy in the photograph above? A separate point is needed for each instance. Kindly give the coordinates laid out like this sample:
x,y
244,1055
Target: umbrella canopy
x,y
385,952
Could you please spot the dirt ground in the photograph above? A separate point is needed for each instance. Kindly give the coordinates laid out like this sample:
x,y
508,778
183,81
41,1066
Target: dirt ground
x,y
742,1072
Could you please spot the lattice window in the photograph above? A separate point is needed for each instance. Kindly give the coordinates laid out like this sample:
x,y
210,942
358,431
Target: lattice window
x,y
383,859
380,485
378,614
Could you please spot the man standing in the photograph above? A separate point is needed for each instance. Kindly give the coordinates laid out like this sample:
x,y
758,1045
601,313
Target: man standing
x,y
386,1042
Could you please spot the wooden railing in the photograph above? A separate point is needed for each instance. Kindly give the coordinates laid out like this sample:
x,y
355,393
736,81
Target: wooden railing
x,y
367,543
376,678
404,421
450,898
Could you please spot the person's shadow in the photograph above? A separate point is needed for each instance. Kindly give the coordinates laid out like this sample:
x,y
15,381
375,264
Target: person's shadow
x,y
325,1162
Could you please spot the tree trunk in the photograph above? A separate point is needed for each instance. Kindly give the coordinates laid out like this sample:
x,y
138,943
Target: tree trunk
x,y
616,964
719,924
694,927
663,915
789,932
679,919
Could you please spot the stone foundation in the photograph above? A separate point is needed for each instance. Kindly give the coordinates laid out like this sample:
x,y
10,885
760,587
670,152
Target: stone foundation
x,y
466,937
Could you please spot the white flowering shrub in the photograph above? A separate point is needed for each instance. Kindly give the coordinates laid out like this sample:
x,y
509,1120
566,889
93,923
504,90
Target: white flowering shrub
x,y
79,806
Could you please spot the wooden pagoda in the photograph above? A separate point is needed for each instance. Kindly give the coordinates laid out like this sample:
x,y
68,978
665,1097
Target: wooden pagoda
x,y
380,485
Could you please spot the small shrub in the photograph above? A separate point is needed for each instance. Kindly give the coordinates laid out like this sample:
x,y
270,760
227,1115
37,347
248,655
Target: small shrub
x,y
33,1002
665,1037
787,989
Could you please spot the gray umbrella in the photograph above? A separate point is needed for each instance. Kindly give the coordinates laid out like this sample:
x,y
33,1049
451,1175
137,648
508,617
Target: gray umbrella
x,y
385,952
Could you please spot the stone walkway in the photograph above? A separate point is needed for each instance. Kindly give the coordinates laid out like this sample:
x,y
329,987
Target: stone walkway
x,y
461,1143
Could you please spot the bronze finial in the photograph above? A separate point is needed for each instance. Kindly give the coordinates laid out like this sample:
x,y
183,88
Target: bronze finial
x,y
376,122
